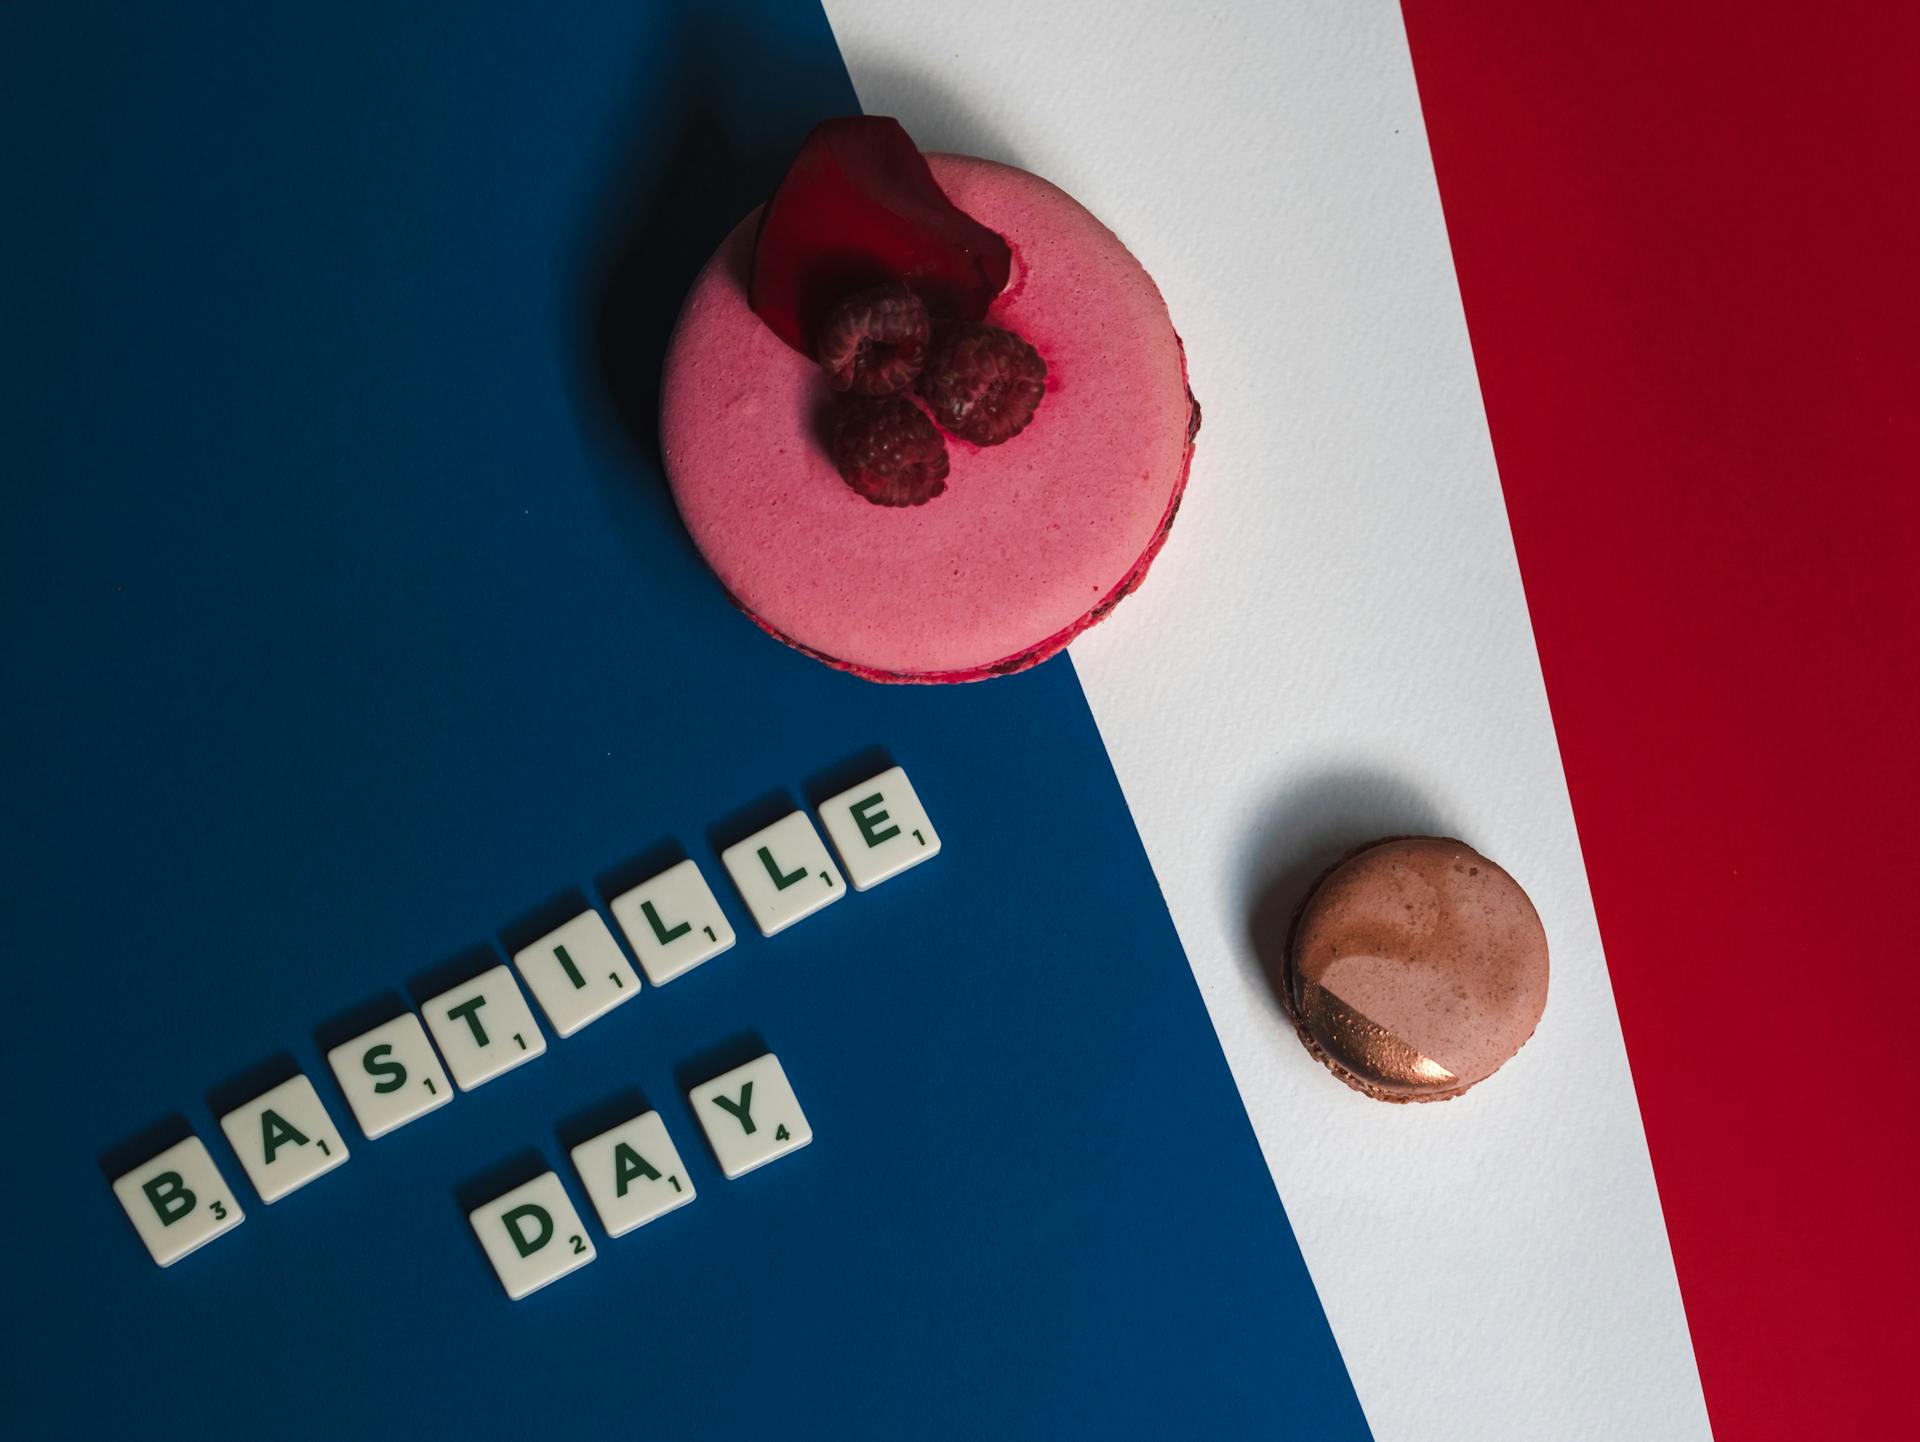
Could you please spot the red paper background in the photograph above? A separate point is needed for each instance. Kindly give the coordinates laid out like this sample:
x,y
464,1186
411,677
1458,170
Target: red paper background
x,y
1686,237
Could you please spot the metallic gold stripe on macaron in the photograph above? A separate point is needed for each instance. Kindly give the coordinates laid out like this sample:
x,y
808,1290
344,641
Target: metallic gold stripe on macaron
x,y
1370,1052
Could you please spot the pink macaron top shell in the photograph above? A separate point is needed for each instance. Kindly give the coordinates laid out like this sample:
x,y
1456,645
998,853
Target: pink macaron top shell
x,y
1033,539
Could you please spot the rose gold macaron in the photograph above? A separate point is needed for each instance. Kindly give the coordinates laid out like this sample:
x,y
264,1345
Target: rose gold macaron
x,y
1416,969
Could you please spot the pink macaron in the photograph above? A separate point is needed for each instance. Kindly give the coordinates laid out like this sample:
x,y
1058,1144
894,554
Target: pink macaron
x,y
1030,542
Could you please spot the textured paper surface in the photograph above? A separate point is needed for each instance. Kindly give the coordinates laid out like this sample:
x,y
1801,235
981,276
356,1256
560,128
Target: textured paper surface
x,y
1335,646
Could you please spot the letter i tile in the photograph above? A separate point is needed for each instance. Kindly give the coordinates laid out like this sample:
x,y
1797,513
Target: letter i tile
x,y
578,973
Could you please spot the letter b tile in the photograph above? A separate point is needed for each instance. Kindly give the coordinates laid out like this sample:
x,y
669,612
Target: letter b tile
x,y
178,1201
532,1235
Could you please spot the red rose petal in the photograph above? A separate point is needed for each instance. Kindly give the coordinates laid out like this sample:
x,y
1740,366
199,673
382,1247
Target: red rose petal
x,y
858,207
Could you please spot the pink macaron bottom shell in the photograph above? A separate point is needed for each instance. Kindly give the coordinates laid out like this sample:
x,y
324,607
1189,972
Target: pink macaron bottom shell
x,y
1034,541
1033,655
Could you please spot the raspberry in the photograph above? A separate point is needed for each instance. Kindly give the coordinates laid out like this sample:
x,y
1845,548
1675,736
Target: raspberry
x,y
874,342
982,383
887,450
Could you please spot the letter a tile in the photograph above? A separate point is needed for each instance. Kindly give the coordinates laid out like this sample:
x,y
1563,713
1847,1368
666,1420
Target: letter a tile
x,y
284,1138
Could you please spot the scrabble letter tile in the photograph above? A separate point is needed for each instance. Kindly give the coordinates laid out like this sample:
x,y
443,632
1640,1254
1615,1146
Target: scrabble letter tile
x,y
483,1027
284,1138
532,1235
390,1075
783,872
751,1116
633,1174
880,829
178,1201
578,973
673,922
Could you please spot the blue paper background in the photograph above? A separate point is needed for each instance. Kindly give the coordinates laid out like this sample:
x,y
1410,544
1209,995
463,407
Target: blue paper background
x,y
349,629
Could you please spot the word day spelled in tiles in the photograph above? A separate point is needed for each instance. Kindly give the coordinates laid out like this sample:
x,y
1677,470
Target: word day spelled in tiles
x,y
751,1116
879,828
390,1075
633,1174
284,1139
673,922
178,1201
783,872
532,1235
577,973
484,1028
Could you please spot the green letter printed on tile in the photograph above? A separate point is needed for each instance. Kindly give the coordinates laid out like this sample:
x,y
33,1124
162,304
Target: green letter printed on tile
x,y
374,1063
469,1012
870,826
541,1217
780,882
276,1131
170,1197
566,965
627,1165
739,1110
663,933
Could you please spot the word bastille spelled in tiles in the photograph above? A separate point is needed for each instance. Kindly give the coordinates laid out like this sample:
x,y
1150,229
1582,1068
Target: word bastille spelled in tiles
x,y
482,1029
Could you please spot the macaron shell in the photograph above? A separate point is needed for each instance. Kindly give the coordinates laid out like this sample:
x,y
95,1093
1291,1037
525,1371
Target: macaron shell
x,y
1033,540
1417,969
